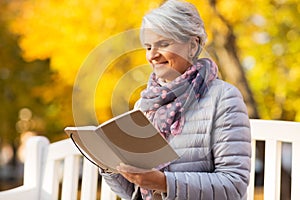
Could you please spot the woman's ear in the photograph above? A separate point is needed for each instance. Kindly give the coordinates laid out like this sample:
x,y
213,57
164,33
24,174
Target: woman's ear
x,y
194,46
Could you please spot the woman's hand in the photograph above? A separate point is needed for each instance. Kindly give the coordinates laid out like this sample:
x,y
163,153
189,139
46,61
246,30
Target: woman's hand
x,y
148,179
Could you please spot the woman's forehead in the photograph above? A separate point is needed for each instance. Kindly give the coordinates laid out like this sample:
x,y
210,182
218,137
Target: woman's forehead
x,y
151,36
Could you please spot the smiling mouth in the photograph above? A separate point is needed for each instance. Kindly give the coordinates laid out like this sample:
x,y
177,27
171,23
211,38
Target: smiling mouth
x,y
160,64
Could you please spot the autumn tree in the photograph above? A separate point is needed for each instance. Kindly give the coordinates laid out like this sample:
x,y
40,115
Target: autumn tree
x,y
17,79
21,109
252,41
255,44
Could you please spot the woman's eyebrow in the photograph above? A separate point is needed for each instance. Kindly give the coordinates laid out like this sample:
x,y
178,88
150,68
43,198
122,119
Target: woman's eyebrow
x,y
159,42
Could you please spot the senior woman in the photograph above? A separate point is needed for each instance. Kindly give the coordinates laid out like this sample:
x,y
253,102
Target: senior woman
x,y
203,117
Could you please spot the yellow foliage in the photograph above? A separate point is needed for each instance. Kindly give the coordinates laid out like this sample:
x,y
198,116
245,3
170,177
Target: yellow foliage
x,y
66,31
235,10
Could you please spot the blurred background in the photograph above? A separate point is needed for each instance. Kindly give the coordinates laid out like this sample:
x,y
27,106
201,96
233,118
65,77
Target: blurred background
x,y
44,43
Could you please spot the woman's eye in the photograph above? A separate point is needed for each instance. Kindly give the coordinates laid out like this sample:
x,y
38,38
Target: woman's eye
x,y
164,45
148,48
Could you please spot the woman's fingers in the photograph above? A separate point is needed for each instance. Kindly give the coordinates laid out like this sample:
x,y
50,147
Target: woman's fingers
x,y
131,169
146,178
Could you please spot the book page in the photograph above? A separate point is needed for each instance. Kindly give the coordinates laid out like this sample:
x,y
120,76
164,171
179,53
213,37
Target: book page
x,y
94,147
137,142
129,138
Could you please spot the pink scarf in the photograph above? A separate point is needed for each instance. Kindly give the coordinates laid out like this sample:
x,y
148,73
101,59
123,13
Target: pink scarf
x,y
165,105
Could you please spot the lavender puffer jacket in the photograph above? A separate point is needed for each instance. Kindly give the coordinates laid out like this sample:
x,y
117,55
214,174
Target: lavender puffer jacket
x,y
215,151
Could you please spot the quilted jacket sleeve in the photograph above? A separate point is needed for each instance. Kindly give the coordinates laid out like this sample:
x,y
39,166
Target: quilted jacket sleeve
x,y
231,152
119,185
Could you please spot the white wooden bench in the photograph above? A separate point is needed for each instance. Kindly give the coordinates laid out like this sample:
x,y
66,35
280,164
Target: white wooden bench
x,y
274,133
52,171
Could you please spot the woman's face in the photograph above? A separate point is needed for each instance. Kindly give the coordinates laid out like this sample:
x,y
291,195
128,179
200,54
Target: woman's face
x,y
168,58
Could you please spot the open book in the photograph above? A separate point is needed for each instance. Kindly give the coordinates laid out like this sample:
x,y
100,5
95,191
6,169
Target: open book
x,y
129,138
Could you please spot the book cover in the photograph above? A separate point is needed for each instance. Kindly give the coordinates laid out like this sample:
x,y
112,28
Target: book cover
x,y
129,138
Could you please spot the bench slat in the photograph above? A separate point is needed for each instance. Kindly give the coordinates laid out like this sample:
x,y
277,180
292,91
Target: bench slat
x,y
272,170
295,185
89,181
50,180
70,178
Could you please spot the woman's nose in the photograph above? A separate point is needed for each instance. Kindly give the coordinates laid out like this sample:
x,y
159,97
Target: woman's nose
x,y
152,54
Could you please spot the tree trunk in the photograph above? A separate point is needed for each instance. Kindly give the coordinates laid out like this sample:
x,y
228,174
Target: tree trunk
x,y
224,49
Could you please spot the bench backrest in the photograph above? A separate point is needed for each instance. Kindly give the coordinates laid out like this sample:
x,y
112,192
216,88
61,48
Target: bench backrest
x,y
275,133
58,171
67,173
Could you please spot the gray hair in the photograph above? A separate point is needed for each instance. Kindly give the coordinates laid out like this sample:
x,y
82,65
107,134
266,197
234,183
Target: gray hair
x,y
178,20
